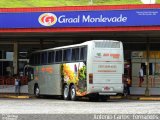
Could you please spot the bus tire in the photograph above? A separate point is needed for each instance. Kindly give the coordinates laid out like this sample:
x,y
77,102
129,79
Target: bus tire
x,y
73,93
66,92
36,91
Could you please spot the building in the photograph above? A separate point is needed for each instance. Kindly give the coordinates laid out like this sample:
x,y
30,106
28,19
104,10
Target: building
x,y
23,30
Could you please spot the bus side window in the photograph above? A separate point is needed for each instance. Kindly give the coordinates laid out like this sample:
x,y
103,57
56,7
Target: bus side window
x,y
83,53
31,59
51,57
34,59
44,58
58,57
67,55
75,54
37,59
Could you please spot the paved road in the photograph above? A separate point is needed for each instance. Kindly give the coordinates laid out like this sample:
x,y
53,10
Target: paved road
x,y
56,106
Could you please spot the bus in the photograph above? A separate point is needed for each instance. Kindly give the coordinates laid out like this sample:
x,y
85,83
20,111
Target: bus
x,y
93,68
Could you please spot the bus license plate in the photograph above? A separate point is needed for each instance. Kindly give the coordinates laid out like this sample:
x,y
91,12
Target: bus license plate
x,y
106,89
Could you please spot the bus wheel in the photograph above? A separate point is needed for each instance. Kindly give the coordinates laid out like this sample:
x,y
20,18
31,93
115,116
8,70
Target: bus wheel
x,y
37,91
73,93
66,92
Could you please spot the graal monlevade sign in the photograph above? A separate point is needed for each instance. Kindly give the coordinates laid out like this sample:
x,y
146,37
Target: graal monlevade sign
x,y
94,18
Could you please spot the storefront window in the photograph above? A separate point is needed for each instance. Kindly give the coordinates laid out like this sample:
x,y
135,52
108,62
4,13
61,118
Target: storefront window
x,y
157,69
151,68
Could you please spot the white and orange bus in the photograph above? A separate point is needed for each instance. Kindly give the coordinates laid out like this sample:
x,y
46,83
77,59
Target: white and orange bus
x,y
93,68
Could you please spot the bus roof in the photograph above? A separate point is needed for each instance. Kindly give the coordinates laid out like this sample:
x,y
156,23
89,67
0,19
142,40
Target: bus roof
x,y
75,45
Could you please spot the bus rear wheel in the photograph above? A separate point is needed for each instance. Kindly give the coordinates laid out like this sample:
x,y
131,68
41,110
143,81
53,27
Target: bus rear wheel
x,y
73,92
66,92
36,91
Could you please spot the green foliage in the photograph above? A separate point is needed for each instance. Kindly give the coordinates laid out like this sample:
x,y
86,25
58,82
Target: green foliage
x,y
51,3
82,73
82,90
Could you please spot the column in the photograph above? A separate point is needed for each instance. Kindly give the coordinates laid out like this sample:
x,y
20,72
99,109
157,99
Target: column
x,y
15,57
147,68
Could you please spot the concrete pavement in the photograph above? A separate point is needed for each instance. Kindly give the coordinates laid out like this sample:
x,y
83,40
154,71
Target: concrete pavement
x,y
131,97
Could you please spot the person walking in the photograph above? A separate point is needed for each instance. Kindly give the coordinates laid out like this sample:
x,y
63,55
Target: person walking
x,y
127,85
141,76
17,85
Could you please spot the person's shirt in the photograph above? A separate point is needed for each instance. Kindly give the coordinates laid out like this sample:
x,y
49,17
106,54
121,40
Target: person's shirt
x,y
16,82
141,73
128,81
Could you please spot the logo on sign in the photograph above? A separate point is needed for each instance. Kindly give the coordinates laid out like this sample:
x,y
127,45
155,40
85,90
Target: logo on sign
x,y
47,19
99,54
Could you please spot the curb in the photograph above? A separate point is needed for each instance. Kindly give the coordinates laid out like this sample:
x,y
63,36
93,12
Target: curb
x,y
116,97
125,97
140,98
149,98
15,97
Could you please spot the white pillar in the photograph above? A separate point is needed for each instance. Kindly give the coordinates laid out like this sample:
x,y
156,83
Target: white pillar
x,y
15,57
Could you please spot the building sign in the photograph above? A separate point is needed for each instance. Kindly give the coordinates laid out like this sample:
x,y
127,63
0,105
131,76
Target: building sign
x,y
103,18
143,54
